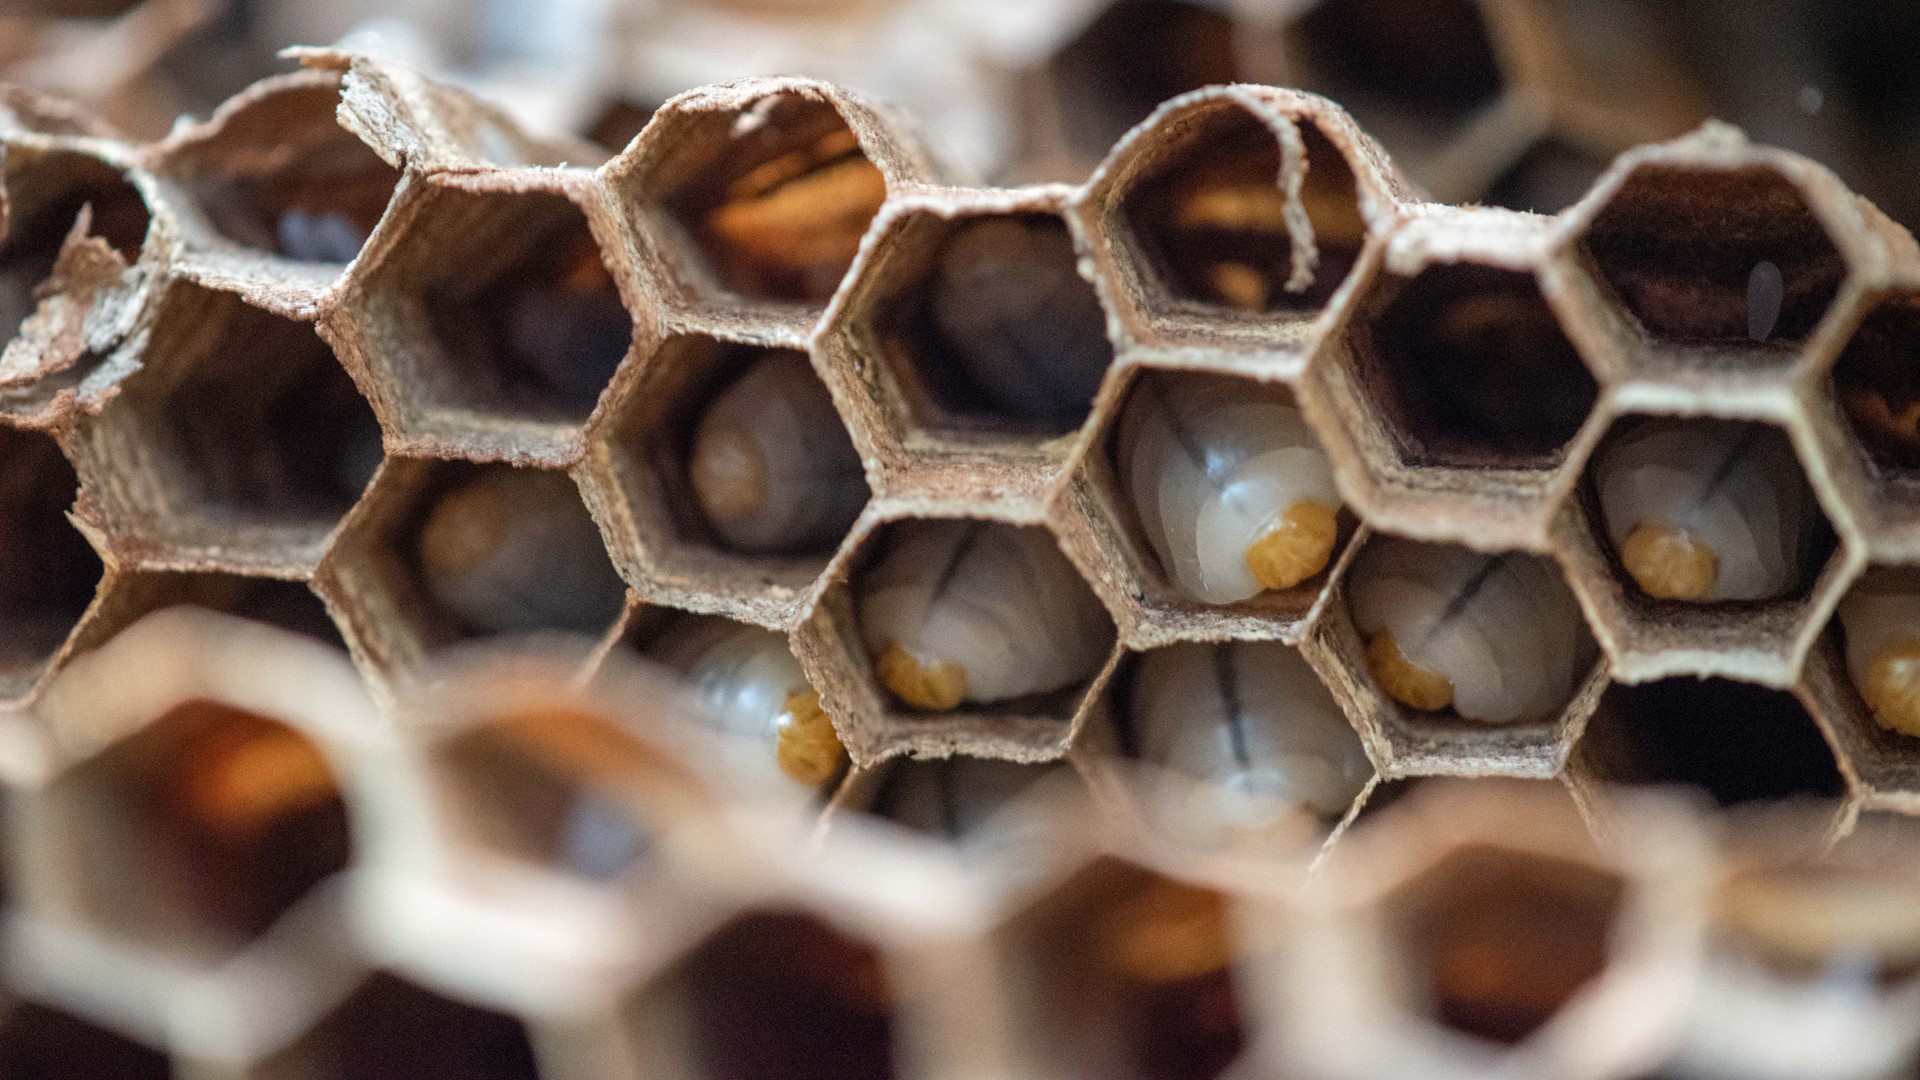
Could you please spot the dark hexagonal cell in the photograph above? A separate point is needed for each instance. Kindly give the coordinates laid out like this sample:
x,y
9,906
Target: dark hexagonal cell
x,y
39,1043
1878,384
198,832
775,994
1547,179
1498,940
1207,224
46,192
1468,366
48,571
1716,256
391,1029
1397,63
1135,55
1123,973
1737,741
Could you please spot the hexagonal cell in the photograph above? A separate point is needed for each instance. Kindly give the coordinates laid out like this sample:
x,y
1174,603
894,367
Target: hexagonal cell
x,y
41,1043
1856,680
733,470
279,174
774,993
1729,262
1466,366
1498,941
950,798
45,194
48,572
1878,390
288,605
194,835
1737,741
1547,179
1123,972
1135,55
391,1028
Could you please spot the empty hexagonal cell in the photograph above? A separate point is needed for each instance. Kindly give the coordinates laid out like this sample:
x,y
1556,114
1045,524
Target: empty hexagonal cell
x,y
390,1027
42,1043
46,192
1135,55
1547,179
1467,366
774,993
1124,972
288,605
1732,260
1878,388
1737,741
951,798
1495,942
242,438
194,835
279,174
48,572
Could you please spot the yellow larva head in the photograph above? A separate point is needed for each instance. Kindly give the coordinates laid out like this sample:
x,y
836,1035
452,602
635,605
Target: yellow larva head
x,y
1402,680
1297,548
936,687
1892,685
1668,563
807,748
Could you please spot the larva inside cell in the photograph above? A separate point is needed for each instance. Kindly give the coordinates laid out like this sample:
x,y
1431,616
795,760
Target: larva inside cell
x,y
1231,487
1251,718
754,689
511,550
1708,510
1494,638
1880,621
955,796
770,464
980,612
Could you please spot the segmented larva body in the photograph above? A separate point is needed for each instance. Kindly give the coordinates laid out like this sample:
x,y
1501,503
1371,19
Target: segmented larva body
x,y
514,550
771,467
1704,512
1250,717
954,796
571,329
751,684
1232,488
1496,637
970,611
1880,618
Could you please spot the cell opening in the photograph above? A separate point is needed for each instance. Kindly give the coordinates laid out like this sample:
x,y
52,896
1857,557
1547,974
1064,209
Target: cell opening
x,y
1470,368
1547,179
1137,54
1129,974
617,122
953,797
779,995
528,318
46,193
775,198
1878,386
1210,223
48,571
1736,741
1443,68
287,605
1498,941
998,332
392,1028
202,829
40,1043
1716,256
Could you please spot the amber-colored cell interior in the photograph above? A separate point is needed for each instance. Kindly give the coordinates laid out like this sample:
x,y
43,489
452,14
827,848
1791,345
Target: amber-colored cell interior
x,y
528,319
1469,366
1499,941
780,995
201,830
1736,741
1443,67
776,200
1128,974
1209,224
1547,179
1678,248
1137,54
391,1029
48,572
1877,383
46,194
38,1043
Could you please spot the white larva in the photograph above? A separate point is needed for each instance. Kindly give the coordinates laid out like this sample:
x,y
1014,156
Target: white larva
x,y
752,686
1496,637
1232,488
771,467
972,611
1250,717
1704,511
1880,618
955,796
514,550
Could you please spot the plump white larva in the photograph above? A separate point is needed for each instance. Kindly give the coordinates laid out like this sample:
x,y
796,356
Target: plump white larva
x,y
974,611
1704,511
750,683
1231,486
954,796
1497,637
1250,717
1881,620
514,550
771,466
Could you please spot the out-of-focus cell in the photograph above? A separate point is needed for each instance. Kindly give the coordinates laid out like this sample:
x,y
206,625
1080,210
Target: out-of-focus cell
x,y
391,1029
